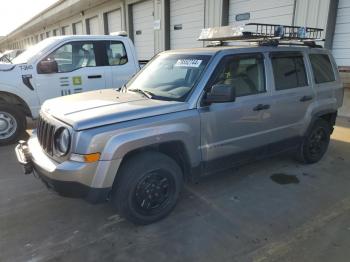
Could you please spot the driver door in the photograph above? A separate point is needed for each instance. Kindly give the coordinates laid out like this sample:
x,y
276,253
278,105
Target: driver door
x,y
80,69
232,131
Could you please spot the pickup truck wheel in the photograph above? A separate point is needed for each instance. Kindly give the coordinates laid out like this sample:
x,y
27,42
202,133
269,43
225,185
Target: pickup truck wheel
x,y
147,188
12,124
315,143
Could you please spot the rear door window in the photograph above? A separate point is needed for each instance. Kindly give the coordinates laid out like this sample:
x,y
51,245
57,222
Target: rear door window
x,y
116,53
322,68
288,70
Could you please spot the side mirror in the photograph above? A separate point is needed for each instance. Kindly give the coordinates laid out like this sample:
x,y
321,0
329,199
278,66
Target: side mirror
x,y
221,93
47,67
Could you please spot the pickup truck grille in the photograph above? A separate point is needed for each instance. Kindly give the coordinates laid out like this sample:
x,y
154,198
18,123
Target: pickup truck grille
x,y
45,132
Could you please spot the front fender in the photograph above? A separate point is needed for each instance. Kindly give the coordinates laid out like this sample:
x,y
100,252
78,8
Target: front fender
x,y
118,146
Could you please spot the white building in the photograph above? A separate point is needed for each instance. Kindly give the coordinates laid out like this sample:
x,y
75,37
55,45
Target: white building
x,y
157,25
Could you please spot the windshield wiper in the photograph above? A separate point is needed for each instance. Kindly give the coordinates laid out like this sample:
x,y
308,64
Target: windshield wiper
x,y
148,94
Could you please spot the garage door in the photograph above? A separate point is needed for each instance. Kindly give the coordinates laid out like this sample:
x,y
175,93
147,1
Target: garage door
x,y
114,21
78,27
94,26
66,30
341,47
267,11
186,23
143,29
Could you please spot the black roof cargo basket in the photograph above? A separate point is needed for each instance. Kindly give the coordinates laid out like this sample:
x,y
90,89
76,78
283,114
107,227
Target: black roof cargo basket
x,y
264,34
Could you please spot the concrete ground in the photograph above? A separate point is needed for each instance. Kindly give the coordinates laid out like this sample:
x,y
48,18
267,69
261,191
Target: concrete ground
x,y
247,214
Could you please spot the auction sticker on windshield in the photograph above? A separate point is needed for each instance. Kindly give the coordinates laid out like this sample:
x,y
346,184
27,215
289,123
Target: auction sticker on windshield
x,y
188,63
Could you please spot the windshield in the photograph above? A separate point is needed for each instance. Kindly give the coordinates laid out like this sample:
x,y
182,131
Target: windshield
x,y
32,51
170,76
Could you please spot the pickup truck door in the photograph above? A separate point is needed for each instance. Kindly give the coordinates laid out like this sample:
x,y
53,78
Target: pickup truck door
x,y
235,130
81,68
121,65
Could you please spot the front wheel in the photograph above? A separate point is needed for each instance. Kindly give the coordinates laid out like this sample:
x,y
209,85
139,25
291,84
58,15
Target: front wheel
x,y
12,124
147,187
315,143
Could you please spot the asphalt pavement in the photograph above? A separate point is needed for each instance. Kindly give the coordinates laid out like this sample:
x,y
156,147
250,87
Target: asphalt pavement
x,y
271,210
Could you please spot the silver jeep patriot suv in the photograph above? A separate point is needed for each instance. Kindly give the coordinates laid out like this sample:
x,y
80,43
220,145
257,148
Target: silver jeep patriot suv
x,y
187,113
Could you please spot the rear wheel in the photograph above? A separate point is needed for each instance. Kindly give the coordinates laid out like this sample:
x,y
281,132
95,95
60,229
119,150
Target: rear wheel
x,y
147,187
12,124
315,143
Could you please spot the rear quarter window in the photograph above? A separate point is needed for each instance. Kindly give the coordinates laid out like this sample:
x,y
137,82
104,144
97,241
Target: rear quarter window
x,y
322,68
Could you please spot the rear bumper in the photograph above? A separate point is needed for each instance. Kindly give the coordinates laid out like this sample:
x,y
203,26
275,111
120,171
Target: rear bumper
x,y
72,175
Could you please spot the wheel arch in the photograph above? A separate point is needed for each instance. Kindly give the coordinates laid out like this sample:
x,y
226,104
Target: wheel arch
x,y
328,115
10,98
174,149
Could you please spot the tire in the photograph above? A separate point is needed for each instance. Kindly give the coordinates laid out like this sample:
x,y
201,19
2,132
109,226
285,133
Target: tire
x,y
12,124
315,143
145,175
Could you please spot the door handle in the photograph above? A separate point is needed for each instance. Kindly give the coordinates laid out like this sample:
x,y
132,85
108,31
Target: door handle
x,y
261,107
306,98
95,76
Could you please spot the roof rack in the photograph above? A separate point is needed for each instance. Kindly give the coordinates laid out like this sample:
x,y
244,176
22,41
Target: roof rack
x,y
263,34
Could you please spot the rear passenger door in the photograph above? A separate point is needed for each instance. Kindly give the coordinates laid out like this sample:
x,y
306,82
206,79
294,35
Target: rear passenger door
x,y
292,95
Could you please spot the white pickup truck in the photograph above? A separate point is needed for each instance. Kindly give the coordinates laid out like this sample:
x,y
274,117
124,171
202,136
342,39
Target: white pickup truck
x,y
60,66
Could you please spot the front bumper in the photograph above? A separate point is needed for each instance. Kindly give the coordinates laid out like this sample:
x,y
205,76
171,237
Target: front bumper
x,y
69,179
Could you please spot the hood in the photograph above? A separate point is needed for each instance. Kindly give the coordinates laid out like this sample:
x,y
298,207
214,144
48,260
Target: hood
x,y
103,107
6,67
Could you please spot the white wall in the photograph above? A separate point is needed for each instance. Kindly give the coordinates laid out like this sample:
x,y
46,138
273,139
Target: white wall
x,y
341,43
312,13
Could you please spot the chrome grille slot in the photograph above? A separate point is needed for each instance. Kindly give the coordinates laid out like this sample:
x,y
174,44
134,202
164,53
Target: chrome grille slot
x,y
45,132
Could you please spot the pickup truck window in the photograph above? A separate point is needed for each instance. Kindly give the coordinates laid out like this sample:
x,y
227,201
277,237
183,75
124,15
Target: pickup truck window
x,y
73,56
116,53
289,70
322,68
170,76
245,72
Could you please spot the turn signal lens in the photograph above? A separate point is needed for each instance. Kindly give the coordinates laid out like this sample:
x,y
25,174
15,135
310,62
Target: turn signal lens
x,y
90,158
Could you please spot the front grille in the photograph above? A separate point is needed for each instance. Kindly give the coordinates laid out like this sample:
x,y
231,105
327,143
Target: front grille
x,y
45,132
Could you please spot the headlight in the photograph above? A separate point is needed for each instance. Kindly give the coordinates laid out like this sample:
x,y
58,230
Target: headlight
x,y
62,141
